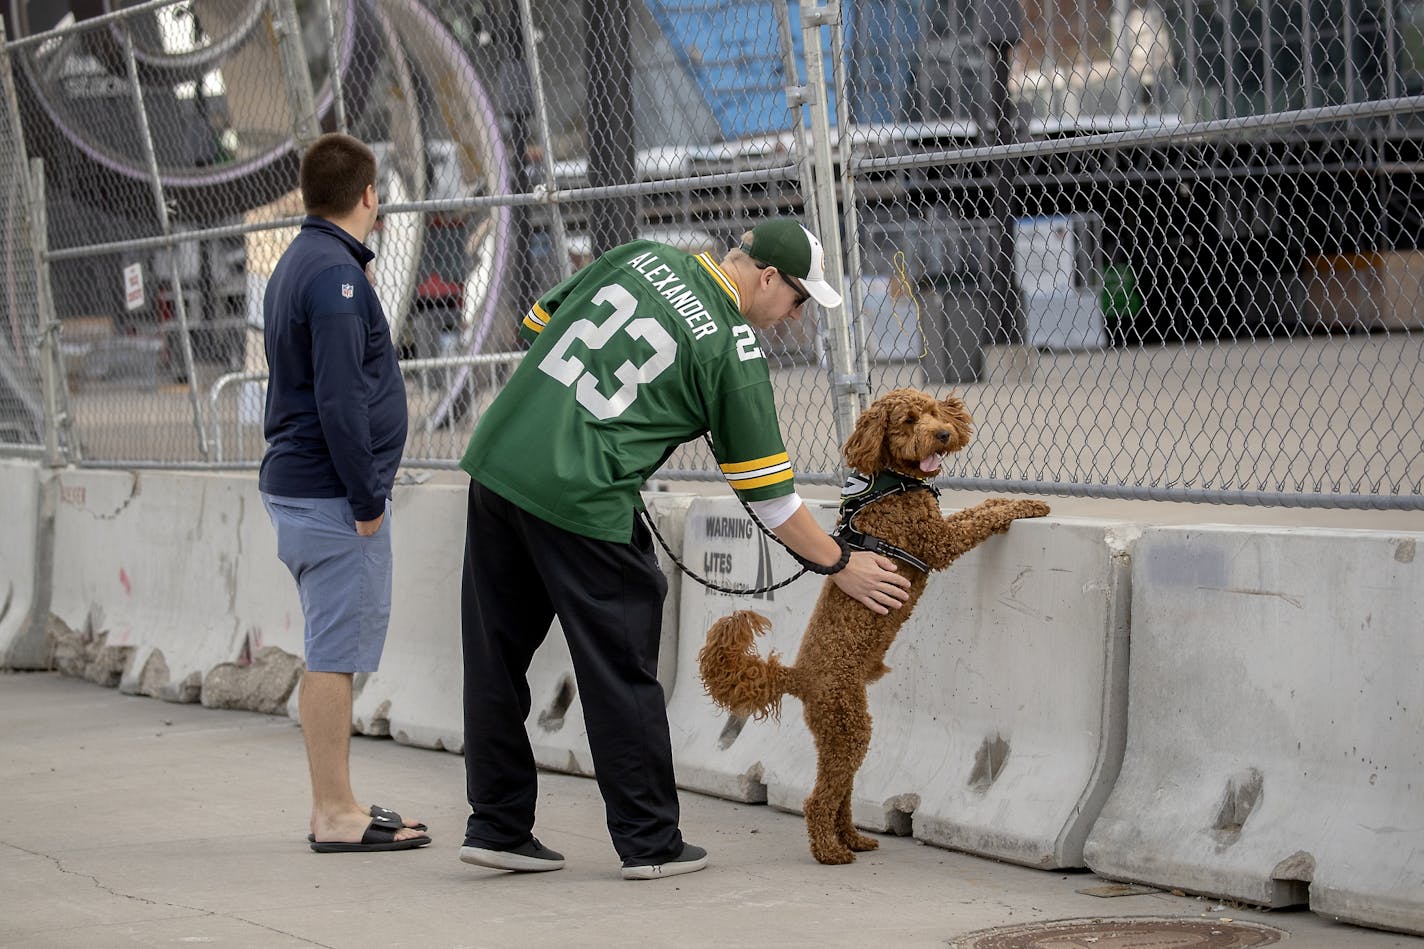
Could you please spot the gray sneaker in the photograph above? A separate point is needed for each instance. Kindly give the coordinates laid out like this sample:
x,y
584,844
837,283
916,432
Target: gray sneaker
x,y
529,857
690,860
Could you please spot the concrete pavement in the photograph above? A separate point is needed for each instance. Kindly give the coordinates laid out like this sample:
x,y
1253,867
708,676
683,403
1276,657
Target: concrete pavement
x,y
133,822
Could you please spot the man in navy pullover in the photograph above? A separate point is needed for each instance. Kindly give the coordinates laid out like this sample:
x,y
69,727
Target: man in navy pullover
x,y
335,425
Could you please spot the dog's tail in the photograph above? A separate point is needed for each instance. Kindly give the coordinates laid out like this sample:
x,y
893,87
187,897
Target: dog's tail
x,y
736,676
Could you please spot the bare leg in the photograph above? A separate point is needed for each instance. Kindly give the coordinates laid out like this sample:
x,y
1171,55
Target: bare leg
x,y
325,704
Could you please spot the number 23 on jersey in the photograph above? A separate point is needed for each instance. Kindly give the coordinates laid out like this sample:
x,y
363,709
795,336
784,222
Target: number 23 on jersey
x,y
568,369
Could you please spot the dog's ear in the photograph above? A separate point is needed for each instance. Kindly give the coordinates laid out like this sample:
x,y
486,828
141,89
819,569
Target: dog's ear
x,y
865,450
953,408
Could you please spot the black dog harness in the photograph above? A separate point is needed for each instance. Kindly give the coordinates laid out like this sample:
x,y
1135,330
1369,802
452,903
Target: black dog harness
x,y
857,493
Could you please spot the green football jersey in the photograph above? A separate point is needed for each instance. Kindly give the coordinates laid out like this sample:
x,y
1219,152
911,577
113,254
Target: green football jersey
x,y
640,351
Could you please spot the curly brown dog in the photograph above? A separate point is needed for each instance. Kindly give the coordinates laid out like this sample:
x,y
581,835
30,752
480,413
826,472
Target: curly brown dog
x,y
898,442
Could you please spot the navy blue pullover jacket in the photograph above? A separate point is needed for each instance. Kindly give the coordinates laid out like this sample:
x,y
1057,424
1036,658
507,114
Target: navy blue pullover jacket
x,y
336,409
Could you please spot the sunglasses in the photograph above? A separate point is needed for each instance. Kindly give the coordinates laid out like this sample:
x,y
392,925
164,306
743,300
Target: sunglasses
x,y
801,294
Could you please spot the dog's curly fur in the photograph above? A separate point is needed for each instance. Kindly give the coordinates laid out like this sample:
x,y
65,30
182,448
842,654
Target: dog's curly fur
x,y
845,644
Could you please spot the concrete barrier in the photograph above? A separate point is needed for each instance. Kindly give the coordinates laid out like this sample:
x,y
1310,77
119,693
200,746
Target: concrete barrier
x,y
1274,753
416,695
555,724
163,577
1009,714
169,585
714,752
999,728
27,511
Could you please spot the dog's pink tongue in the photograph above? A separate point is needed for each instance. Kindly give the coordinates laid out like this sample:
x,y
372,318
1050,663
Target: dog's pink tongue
x,y
931,464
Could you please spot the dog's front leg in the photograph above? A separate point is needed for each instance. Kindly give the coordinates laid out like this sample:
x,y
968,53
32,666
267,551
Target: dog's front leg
x,y
964,530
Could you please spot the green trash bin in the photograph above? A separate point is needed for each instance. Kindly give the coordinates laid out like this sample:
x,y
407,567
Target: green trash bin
x,y
1121,299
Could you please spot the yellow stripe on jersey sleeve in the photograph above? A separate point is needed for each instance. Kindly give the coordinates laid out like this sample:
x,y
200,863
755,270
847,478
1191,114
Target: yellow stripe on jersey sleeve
x,y
741,467
536,319
762,482
758,472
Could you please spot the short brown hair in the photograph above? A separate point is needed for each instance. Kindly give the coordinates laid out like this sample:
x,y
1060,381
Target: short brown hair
x,y
335,171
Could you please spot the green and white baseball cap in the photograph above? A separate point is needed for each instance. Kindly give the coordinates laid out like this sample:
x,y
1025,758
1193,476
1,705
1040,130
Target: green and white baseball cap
x,y
786,245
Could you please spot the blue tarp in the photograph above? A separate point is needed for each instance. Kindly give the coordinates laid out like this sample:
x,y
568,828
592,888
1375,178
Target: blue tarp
x,y
733,52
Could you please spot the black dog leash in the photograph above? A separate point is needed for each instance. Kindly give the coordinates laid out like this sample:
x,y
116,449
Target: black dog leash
x,y
806,565
856,493
740,591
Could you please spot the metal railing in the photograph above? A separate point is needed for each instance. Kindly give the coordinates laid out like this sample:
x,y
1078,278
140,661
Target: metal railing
x,y
421,428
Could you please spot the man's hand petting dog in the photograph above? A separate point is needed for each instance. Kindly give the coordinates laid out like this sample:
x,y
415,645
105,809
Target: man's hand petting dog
x,y
874,581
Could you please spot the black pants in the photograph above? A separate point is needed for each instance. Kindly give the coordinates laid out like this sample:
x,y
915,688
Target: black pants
x,y
520,571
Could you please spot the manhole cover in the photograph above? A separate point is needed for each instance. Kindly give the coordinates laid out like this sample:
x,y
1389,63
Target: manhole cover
x,y
1135,932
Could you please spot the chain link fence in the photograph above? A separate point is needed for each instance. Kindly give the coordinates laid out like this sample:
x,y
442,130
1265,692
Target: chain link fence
x,y
22,415
1172,251
1162,249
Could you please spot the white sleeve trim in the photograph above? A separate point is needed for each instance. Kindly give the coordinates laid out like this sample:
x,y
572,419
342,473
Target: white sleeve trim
x,y
776,511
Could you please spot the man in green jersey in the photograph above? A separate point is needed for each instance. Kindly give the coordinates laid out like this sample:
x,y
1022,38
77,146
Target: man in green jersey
x,y
644,349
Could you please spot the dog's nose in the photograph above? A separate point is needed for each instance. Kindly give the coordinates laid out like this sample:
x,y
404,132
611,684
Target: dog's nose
x,y
943,435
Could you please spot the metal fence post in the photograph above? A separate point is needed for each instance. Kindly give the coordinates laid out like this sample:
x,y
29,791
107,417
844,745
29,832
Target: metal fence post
x,y
612,160
296,74
999,30
549,190
848,387
795,100
854,304
180,306
54,396
338,95
42,414
51,357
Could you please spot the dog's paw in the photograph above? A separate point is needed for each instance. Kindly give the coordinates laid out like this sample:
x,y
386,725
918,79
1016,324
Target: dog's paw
x,y
1018,507
860,843
832,856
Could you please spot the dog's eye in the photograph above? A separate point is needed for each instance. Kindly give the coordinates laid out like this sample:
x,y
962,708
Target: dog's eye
x,y
911,419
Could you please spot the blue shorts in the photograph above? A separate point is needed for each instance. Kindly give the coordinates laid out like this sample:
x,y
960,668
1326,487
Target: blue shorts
x,y
344,580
